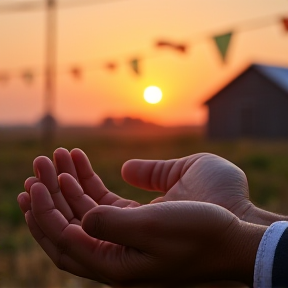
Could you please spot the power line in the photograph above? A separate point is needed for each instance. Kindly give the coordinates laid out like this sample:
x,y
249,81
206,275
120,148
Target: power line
x,y
50,7
21,7
92,64
29,6
78,3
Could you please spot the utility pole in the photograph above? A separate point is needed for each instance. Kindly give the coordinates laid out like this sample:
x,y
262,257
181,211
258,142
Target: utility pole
x,y
48,122
50,80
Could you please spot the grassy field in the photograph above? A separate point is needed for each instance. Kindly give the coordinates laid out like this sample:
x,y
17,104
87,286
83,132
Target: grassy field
x,y
23,264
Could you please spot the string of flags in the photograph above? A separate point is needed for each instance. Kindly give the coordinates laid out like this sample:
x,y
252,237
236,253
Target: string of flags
x,y
222,42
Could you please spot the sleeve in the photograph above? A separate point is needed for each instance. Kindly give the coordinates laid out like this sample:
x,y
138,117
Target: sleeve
x,y
271,264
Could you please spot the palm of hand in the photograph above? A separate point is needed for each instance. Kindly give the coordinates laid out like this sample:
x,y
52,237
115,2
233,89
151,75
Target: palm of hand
x,y
215,180
74,187
120,257
200,177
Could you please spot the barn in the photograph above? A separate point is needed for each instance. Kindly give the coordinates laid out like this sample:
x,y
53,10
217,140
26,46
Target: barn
x,y
252,105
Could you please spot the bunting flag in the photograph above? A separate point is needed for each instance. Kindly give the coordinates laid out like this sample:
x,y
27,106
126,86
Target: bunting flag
x,y
27,76
181,48
222,42
285,24
177,47
4,77
76,73
134,64
111,66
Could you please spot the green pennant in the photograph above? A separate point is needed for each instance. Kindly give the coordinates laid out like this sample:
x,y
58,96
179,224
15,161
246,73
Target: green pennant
x,y
222,42
134,63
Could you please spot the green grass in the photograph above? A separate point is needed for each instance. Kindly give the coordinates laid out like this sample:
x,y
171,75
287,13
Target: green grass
x,y
265,164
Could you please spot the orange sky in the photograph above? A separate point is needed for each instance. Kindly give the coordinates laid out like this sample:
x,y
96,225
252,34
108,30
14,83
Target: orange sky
x,y
92,35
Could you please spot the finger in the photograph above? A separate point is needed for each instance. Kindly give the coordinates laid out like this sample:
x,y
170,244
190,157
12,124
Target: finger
x,y
158,200
46,172
133,227
44,210
63,162
79,202
24,202
148,226
29,182
62,261
92,184
70,239
153,175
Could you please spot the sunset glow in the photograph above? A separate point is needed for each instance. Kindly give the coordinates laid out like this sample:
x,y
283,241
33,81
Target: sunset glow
x,y
107,54
152,94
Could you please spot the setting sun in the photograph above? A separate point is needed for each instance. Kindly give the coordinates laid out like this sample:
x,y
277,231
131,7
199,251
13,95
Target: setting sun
x,y
152,94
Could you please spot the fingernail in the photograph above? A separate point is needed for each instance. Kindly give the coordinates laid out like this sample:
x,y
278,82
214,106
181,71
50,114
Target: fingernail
x,y
37,173
26,216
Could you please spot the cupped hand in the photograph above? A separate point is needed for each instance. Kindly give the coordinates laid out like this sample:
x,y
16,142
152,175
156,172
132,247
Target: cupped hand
x,y
200,177
60,176
171,243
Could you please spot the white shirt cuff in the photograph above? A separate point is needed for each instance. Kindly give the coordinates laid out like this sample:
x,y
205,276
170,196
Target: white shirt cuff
x,y
265,254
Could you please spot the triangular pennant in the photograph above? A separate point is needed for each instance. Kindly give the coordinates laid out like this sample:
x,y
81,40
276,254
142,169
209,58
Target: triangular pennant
x,y
162,43
111,66
181,48
76,72
285,24
222,42
4,77
134,63
178,47
27,76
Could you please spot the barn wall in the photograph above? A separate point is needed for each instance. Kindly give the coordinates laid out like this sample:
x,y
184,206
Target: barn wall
x,y
250,106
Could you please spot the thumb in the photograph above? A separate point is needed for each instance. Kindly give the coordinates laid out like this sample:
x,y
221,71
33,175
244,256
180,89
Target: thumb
x,y
123,226
153,175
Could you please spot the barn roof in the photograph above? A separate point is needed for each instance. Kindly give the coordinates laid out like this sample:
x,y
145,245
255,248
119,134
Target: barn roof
x,y
277,74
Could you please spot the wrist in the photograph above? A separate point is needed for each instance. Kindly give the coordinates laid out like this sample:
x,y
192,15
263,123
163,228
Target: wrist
x,y
261,217
247,238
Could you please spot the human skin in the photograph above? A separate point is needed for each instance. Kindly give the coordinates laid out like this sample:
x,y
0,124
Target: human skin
x,y
200,177
62,201
166,244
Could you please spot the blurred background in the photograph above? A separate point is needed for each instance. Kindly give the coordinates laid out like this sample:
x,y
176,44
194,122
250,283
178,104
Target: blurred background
x,y
75,74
